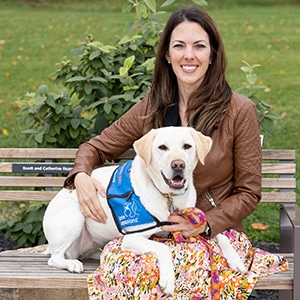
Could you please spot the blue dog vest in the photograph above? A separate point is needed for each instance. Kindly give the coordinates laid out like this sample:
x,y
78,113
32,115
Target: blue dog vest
x,y
129,213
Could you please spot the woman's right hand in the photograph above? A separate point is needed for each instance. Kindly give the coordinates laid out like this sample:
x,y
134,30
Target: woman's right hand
x,y
87,189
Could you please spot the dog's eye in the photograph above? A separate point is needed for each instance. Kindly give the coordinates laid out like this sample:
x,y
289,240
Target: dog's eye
x,y
163,147
187,146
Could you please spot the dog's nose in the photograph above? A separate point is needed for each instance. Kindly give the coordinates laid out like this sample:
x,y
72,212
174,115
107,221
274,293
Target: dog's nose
x,y
178,165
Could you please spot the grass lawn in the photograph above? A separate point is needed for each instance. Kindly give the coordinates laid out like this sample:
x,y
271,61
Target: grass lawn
x,y
34,38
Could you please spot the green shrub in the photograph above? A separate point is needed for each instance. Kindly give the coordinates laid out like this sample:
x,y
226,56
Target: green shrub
x,y
26,227
53,119
249,89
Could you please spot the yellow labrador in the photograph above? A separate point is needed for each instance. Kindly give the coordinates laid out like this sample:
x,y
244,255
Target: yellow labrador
x,y
164,164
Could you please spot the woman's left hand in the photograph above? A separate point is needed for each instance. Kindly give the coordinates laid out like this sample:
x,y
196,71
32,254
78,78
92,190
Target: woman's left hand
x,y
182,225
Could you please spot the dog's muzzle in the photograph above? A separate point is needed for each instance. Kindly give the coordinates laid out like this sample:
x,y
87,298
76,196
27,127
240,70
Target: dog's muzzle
x,y
176,182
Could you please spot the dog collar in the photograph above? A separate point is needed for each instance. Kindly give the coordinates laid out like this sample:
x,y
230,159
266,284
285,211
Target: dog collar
x,y
169,198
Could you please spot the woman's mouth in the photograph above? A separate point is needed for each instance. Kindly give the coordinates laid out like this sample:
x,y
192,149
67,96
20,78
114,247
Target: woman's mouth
x,y
189,68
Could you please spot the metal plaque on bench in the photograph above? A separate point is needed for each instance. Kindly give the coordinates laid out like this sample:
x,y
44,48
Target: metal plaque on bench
x,y
42,168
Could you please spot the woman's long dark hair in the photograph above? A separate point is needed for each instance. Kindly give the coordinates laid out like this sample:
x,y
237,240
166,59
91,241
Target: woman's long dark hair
x,y
208,104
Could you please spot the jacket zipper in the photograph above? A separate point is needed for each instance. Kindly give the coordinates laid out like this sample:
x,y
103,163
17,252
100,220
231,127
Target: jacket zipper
x,y
210,198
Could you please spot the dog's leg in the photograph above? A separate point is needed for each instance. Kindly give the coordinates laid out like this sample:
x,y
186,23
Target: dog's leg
x,y
140,245
63,224
58,260
232,258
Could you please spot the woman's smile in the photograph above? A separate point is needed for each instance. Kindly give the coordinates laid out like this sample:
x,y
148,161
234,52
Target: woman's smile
x,y
189,68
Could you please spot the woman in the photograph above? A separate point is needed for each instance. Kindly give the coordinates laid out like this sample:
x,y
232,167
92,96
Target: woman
x,y
189,89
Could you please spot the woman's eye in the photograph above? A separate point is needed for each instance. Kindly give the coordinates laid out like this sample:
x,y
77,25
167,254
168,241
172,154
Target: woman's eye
x,y
163,147
200,46
178,46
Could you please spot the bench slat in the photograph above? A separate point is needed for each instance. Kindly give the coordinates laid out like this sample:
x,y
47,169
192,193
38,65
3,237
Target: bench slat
x,y
20,195
279,183
49,153
289,197
38,153
31,181
278,154
27,196
268,168
66,153
5,167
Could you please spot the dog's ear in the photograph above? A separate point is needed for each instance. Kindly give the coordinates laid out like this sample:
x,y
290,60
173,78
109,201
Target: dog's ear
x,y
143,147
203,144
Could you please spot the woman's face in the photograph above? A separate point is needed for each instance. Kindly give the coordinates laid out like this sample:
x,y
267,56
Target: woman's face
x,y
189,53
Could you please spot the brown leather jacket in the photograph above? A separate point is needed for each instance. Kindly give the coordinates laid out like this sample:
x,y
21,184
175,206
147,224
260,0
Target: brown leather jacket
x,y
231,175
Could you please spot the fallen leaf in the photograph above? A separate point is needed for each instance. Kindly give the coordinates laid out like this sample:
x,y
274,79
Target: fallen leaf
x,y
259,226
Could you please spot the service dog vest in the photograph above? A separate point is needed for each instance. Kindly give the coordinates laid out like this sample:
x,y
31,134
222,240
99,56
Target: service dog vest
x,y
129,213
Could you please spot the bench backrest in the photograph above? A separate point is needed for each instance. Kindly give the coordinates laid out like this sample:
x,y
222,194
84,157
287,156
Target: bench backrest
x,y
36,174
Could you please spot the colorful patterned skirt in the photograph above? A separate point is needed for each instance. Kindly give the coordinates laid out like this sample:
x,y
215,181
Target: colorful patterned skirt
x,y
124,275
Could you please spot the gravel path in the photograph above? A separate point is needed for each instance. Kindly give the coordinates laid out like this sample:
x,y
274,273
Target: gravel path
x,y
7,244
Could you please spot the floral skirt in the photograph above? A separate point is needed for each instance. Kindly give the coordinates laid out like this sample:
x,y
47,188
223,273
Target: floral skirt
x,y
124,275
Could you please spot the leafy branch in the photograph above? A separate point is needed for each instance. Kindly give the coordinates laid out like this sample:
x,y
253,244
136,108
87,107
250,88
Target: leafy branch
x,y
249,89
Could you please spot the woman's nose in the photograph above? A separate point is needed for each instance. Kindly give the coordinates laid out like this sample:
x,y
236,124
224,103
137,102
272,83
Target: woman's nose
x,y
189,53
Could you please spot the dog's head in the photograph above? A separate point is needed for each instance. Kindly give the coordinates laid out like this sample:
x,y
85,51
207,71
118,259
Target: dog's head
x,y
170,155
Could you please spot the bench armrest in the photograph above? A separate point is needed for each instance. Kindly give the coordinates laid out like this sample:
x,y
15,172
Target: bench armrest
x,y
290,237
289,227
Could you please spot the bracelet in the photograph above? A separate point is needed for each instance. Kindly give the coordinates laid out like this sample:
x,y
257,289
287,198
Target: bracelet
x,y
207,230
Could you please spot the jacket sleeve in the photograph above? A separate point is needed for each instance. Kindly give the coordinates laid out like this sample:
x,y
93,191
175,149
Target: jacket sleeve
x,y
246,190
112,142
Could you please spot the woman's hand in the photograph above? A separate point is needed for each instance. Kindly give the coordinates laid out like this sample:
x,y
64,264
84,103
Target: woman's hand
x,y
186,228
87,189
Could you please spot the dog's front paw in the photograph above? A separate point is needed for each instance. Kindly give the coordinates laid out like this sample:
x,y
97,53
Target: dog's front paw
x,y
74,266
235,263
167,280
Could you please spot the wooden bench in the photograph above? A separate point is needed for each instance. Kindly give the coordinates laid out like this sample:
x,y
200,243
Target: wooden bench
x,y
28,275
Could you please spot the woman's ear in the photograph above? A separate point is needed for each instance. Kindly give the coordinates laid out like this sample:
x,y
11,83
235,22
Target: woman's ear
x,y
167,56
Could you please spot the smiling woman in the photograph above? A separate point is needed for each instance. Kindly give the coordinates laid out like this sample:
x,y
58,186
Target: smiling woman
x,y
190,56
